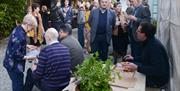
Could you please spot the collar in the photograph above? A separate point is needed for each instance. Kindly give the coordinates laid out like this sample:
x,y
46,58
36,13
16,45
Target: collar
x,y
22,29
53,42
103,10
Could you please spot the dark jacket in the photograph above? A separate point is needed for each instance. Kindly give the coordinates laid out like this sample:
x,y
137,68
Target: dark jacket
x,y
69,15
16,50
56,14
154,63
76,51
94,20
142,13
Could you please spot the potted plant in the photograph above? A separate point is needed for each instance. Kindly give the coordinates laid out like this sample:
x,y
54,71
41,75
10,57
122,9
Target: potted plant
x,y
94,74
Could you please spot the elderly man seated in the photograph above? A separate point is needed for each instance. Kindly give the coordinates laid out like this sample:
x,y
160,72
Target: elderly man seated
x,y
52,72
153,61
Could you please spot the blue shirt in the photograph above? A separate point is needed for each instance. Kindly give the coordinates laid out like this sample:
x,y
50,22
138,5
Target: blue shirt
x,y
16,50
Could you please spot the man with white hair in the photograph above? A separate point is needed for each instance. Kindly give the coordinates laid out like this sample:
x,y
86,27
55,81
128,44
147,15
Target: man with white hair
x,y
14,60
52,72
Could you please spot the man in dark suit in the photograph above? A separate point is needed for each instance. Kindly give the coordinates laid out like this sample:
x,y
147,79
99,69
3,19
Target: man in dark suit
x,y
101,20
141,13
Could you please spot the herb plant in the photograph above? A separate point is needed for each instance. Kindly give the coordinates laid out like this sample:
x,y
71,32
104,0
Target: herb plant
x,y
94,74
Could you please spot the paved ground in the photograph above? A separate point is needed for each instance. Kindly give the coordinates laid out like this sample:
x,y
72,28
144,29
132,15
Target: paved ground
x,y
5,83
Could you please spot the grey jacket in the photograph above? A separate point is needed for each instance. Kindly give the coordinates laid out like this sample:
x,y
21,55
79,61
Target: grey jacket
x,y
93,22
76,51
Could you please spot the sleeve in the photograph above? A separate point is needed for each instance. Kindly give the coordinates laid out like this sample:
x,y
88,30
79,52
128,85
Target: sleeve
x,y
114,21
17,48
71,13
40,70
146,15
156,62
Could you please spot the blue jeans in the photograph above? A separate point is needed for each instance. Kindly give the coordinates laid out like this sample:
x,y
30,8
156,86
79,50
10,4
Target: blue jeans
x,y
81,34
17,80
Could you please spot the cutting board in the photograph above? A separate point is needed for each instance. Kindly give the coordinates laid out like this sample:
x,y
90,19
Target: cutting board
x,y
127,80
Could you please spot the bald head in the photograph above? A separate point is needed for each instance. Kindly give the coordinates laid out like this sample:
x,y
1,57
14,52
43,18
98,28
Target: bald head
x,y
51,35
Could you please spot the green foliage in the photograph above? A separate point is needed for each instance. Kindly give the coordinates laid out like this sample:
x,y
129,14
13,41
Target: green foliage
x,y
10,11
94,74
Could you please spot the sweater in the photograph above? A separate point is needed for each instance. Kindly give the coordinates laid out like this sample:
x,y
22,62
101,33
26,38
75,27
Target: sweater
x,y
53,68
154,63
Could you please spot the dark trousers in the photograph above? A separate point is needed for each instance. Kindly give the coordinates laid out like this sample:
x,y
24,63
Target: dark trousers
x,y
100,45
81,34
120,43
30,82
17,80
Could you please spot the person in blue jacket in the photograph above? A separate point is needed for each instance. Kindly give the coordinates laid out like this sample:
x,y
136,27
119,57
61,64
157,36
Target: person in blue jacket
x,y
14,60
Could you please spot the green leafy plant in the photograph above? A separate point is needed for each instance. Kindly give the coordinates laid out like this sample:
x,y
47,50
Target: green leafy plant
x,y
10,11
94,74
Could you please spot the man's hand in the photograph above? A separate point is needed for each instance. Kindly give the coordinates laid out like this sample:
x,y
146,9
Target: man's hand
x,y
30,58
130,67
58,4
128,58
34,66
131,17
31,47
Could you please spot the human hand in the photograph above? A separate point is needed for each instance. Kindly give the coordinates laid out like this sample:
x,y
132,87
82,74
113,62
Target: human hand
x,y
131,17
29,58
129,67
34,66
128,58
31,47
58,4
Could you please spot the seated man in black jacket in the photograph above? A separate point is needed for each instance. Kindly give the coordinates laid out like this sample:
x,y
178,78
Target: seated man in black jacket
x,y
154,59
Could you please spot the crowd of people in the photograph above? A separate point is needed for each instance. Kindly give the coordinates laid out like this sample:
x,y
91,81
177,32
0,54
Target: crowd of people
x,y
98,23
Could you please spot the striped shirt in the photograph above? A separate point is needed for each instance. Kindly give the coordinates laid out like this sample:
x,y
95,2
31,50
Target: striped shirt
x,y
53,68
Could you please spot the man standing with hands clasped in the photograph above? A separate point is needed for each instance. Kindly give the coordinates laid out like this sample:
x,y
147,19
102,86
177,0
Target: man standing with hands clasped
x,y
101,20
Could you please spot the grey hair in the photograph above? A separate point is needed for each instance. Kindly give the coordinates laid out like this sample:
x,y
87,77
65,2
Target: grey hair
x,y
30,19
52,33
